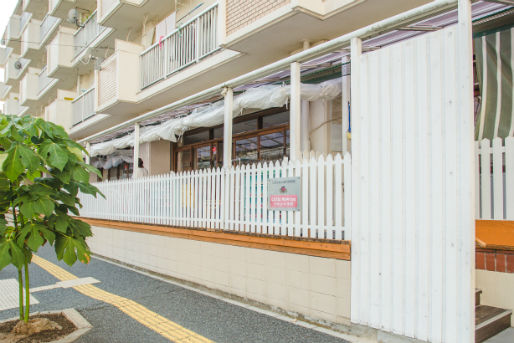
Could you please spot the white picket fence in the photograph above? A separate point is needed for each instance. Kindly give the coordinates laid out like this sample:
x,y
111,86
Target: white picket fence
x,y
494,179
235,199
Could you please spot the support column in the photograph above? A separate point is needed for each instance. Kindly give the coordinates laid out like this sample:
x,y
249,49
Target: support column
x,y
136,145
227,127
295,113
305,127
345,102
88,156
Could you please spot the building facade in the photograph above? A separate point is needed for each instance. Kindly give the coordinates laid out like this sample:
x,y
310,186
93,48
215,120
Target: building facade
x,y
361,110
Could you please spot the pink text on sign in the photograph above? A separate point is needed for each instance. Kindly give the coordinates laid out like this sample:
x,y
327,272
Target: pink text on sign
x,y
283,201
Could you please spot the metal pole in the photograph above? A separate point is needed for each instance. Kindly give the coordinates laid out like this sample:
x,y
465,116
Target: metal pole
x,y
345,104
136,146
227,128
295,113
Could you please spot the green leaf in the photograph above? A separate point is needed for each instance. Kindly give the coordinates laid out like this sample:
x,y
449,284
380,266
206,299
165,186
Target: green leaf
x,y
35,241
76,151
43,206
54,155
13,166
80,174
29,158
61,223
69,254
5,257
27,209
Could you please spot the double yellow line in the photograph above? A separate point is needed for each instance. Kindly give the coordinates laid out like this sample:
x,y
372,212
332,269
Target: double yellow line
x,y
150,319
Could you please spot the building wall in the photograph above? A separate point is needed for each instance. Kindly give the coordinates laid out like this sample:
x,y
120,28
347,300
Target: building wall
x,y
242,13
314,287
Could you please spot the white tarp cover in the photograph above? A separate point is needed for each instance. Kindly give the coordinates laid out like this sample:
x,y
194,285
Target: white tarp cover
x,y
113,160
261,98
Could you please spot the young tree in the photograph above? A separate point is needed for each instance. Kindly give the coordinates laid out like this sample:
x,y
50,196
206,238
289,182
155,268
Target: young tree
x,y
41,174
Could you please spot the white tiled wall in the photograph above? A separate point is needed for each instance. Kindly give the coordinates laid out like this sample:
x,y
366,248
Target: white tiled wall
x,y
318,288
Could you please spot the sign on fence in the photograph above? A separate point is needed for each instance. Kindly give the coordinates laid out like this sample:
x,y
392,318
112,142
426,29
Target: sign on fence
x,y
284,194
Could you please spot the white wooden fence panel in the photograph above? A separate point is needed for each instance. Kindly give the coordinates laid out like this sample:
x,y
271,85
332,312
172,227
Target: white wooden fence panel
x,y
411,176
494,179
234,199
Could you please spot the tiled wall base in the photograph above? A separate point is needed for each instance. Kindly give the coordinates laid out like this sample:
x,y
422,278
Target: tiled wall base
x,y
315,287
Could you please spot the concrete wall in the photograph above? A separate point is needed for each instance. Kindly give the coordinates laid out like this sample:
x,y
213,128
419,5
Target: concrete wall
x,y
497,289
317,288
156,156
324,126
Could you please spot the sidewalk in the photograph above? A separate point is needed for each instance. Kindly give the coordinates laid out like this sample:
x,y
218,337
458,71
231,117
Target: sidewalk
x,y
127,306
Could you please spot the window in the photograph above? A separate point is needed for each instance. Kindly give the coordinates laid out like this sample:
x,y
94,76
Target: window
x,y
262,136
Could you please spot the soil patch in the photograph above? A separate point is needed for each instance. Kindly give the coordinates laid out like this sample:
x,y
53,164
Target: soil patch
x,y
67,327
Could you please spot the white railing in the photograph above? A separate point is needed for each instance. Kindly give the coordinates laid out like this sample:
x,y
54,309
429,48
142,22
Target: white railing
x,y
46,25
25,18
87,34
494,179
4,90
84,106
186,45
107,80
43,80
235,199
4,54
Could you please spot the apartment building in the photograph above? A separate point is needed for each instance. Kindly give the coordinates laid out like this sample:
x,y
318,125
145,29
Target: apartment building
x,y
300,153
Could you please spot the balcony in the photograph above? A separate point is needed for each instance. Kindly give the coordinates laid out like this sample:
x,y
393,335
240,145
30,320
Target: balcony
x,y
46,89
29,88
5,52
287,26
59,57
83,107
12,34
4,90
59,111
47,29
89,37
116,86
12,105
60,8
30,48
38,8
14,69
125,14
188,44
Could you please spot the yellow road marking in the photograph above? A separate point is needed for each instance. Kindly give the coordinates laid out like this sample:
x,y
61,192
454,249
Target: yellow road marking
x,y
150,319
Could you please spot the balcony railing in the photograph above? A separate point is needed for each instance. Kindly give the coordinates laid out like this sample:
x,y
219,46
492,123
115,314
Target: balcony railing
x,y
236,199
84,106
43,80
25,18
87,34
4,55
4,90
11,72
46,25
184,46
108,81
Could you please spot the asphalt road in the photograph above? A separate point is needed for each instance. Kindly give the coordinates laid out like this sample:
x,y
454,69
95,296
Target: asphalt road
x,y
212,318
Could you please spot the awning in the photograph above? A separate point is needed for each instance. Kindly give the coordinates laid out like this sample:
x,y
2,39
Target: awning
x,y
494,56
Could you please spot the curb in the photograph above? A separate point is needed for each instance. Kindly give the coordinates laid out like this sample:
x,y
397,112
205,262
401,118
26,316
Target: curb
x,y
73,316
